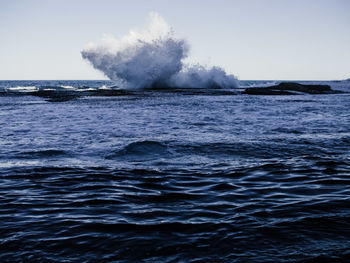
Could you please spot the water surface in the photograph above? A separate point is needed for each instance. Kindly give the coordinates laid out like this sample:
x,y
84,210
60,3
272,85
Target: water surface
x,y
174,178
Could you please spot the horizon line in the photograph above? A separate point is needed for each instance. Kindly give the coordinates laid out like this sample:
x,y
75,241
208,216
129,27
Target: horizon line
x,y
113,80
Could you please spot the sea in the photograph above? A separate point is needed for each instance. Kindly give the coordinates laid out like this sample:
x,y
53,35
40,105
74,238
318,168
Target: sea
x,y
88,175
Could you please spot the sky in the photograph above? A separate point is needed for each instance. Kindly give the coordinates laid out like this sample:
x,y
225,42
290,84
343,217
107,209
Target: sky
x,y
252,39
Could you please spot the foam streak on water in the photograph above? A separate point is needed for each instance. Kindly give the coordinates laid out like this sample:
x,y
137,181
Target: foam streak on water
x,y
174,178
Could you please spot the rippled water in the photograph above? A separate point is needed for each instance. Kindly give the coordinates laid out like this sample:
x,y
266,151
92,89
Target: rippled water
x,y
174,178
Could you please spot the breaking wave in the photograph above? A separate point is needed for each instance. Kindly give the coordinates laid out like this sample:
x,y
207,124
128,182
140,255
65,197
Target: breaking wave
x,y
153,59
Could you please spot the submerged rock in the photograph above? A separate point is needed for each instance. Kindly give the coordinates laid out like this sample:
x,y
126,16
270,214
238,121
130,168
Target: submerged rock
x,y
55,95
291,88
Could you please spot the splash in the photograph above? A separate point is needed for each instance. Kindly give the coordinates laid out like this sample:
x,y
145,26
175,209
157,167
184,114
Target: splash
x,y
153,58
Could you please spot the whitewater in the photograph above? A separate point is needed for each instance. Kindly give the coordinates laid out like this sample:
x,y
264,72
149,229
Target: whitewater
x,y
153,59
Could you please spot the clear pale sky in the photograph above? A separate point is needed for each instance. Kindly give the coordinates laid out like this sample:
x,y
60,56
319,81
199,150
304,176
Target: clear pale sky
x,y
252,39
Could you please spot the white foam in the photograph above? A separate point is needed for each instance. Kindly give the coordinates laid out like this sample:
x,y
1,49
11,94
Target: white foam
x,y
88,89
68,87
154,56
23,88
202,77
104,87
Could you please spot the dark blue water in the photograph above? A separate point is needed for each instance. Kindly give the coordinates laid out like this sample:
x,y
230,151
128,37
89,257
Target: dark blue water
x,y
168,177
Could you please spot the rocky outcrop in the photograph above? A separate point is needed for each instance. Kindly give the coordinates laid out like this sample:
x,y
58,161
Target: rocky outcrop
x,y
291,88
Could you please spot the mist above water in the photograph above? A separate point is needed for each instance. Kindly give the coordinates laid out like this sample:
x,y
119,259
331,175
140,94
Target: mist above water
x,y
153,58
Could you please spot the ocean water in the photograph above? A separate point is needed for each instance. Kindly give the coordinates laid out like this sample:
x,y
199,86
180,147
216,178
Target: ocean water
x,y
172,177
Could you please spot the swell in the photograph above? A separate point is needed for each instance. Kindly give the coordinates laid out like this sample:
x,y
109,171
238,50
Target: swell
x,y
175,179
141,148
261,212
309,147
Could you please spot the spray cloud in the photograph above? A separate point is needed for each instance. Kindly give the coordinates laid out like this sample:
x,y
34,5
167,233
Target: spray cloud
x,y
152,58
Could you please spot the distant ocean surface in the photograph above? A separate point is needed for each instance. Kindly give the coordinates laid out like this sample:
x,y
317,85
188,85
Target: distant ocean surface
x,y
168,177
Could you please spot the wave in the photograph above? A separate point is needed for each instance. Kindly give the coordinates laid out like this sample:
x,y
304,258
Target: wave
x,y
153,58
141,149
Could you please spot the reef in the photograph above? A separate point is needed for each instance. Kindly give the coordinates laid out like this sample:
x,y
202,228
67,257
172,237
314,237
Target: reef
x,y
291,88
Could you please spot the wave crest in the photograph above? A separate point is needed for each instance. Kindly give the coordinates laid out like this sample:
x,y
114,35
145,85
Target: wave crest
x,y
141,149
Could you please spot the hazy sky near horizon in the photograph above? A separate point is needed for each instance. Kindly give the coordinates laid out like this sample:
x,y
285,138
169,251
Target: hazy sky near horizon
x,y
252,39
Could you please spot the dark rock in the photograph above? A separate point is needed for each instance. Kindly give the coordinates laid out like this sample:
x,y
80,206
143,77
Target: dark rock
x,y
266,91
291,88
55,95
110,92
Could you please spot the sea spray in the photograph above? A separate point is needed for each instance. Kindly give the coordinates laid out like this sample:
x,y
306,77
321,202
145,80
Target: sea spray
x,y
153,58
197,76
